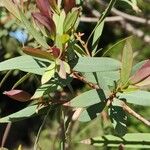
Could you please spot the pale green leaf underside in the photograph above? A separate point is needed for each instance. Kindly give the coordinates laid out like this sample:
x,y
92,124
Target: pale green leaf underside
x,y
136,97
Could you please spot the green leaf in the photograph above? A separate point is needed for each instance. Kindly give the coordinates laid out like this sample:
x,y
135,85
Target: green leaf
x,y
91,112
95,64
49,73
70,20
25,63
102,17
11,7
36,34
127,60
59,21
96,37
114,50
136,97
131,140
23,114
109,77
118,118
88,98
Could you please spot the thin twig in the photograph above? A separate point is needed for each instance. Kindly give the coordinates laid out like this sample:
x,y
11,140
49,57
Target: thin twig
x,y
125,107
136,115
5,78
5,135
125,15
40,129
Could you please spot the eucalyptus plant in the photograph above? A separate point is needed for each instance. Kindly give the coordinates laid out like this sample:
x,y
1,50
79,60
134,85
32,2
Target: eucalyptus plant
x,y
61,57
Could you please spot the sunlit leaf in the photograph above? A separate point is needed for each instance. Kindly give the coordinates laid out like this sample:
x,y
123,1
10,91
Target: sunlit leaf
x,y
88,98
96,37
25,63
70,20
49,73
95,64
127,60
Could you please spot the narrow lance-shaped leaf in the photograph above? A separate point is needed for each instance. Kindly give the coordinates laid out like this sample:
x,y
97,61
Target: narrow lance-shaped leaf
x,y
33,31
96,37
38,53
25,63
102,17
25,113
18,95
49,73
136,97
127,60
70,20
44,7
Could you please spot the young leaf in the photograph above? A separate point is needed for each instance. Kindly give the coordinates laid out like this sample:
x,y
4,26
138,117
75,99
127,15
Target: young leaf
x,y
38,53
95,64
145,82
96,37
18,95
137,66
49,73
127,60
59,21
136,97
88,98
24,63
70,20
33,31
142,73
